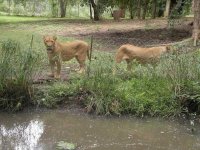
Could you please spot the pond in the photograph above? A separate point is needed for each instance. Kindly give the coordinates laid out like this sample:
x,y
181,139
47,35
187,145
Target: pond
x,y
41,130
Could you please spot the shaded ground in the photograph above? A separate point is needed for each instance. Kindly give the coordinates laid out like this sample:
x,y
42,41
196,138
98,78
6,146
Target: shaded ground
x,y
108,36
139,37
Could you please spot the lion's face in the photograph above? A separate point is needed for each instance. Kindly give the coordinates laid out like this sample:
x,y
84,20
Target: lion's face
x,y
49,42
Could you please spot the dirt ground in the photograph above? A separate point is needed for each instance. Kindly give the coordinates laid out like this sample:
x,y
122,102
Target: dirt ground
x,y
108,36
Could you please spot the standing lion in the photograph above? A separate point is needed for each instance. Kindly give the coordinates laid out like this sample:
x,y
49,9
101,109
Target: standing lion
x,y
58,52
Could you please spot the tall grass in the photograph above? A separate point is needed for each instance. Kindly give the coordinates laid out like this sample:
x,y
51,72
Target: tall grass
x,y
141,93
16,74
149,90
183,72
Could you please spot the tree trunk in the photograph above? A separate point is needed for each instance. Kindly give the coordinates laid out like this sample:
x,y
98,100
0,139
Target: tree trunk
x,y
196,21
63,5
9,5
145,9
139,9
91,16
154,9
96,10
33,9
167,8
131,10
78,9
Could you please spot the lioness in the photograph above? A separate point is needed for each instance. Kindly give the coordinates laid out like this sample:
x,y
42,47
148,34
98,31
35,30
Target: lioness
x,y
58,52
143,55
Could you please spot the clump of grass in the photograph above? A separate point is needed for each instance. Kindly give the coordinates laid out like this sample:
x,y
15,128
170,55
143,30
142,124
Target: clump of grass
x,y
52,95
16,74
127,93
183,72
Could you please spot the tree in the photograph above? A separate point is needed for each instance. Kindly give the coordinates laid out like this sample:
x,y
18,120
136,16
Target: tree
x,y
167,8
95,7
139,8
54,7
131,8
144,10
63,5
98,7
154,3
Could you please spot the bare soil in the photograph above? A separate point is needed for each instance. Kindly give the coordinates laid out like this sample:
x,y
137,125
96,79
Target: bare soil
x,y
108,36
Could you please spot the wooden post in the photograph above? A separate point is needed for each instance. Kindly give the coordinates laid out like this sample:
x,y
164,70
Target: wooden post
x,y
90,56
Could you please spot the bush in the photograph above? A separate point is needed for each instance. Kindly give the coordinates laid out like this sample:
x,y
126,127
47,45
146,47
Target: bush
x,y
16,74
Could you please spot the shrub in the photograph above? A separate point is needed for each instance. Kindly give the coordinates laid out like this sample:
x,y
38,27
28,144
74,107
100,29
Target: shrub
x,y
16,74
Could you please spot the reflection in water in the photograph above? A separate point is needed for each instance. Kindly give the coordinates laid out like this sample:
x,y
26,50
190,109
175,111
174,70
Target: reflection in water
x,y
22,136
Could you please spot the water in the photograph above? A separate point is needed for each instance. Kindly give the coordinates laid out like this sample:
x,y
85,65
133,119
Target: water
x,y
42,130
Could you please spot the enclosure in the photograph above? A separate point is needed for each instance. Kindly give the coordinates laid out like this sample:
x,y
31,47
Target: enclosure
x,y
154,106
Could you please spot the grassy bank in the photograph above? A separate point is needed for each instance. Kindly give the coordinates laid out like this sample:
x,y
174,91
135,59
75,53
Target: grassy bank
x,y
168,89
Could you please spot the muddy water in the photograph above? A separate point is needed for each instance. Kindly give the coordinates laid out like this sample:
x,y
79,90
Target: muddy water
x,y
41,131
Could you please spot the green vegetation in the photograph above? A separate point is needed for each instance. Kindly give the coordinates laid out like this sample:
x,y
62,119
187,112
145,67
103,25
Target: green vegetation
x,y
15,19
17,68
160,91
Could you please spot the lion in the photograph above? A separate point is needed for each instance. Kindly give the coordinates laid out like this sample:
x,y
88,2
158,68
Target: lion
x,y
58,52
129,53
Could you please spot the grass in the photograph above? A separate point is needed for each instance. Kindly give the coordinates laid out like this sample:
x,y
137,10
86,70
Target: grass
x,y
17,69
17,19
165,90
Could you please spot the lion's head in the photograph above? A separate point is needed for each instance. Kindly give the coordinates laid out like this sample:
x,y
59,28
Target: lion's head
x,y
49,42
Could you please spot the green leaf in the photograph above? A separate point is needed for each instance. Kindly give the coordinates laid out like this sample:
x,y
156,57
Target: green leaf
x,y
66,146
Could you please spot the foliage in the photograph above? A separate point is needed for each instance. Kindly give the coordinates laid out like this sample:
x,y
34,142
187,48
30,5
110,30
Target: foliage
x,y
52,95
17,67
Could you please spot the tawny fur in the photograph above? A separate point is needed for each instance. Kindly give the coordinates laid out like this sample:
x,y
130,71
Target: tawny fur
x,y
142,55
58,52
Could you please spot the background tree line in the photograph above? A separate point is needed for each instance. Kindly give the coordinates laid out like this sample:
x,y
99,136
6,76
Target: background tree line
x,y
96,8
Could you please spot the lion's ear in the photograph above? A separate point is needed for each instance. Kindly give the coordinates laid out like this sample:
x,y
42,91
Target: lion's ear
x,y
54,38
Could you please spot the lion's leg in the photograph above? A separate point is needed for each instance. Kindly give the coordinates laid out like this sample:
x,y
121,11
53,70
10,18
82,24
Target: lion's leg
x,y
129,65
52,64
81,60
58,64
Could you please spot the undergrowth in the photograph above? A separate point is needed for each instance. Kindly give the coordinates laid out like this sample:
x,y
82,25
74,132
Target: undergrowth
x,y
165,89
17,69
